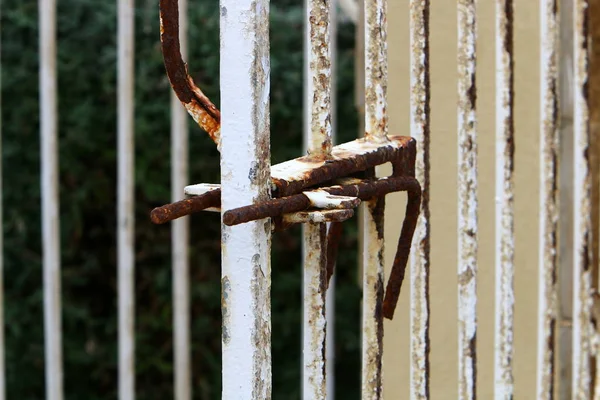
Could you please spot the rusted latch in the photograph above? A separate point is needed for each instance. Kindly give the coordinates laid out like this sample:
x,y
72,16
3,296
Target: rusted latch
x,y
307,189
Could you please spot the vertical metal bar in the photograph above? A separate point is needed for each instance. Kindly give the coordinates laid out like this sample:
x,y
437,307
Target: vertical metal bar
x,y
419,129
126,215
505,243
245,179
50,201
319,51
180,233
467,200
330,296
582,263
549,208
376,129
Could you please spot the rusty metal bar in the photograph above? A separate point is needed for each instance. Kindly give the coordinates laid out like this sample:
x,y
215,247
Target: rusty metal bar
x,y
319,146
583,236
549,207
50,201
180,235
125,212
245,171
505,242
420,129
376,129
467,200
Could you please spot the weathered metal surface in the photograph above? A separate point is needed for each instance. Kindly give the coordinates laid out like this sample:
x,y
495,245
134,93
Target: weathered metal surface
x,y
319,74
376,66
202,110
245,164
548,246
376,129
50,201
467,200
583,237
419,128
505,242
314,321
180,237
317,216
292,176
319,148
125,207
365,190
372,313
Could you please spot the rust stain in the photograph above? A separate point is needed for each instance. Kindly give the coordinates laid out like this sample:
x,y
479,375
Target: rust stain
x,y
467,199
334,235
548,307
420,98
202,110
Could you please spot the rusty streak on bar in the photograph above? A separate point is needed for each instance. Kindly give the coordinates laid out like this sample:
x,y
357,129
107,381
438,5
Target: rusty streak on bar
x,y
549,208
420,97
583,235
505,241
202,110
467,200
376,129
319,147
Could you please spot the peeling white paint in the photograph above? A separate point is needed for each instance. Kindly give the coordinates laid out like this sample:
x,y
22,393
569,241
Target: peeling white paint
x,y
245,159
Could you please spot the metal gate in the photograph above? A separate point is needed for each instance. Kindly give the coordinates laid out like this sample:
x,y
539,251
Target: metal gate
x,y
241,131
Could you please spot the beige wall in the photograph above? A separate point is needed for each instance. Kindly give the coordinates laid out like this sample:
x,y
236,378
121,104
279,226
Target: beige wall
x,y
444,351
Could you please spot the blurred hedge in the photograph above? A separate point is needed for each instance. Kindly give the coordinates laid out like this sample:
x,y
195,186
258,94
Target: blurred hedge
x,y
88,158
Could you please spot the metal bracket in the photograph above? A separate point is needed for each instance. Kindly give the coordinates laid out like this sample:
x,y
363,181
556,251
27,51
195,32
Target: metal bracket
x,y
309,189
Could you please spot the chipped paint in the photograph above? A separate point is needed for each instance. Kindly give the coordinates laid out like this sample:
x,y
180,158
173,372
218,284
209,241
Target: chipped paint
x,y
549,147
316,217
583,236
372,315
314,321
319,76
467,200
245,157
324,200
505,241
376,71
419,128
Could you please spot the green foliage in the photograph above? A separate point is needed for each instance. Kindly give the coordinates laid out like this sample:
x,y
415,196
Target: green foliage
x,y
88,159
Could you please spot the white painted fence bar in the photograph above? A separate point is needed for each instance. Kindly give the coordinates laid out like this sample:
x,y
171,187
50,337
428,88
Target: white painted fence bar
x,y
180,234
376,129
125,207
582,226
420,259
50,200
505,242
549,209
319,52
245,179
467,200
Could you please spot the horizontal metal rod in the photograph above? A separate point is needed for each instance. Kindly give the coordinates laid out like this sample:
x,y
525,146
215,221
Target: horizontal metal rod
x,y
170,212
364,191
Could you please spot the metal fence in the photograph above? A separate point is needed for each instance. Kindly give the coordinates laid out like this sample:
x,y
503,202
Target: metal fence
x,y
244,146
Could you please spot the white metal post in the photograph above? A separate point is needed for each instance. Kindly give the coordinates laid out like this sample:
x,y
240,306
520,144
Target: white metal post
x,y
245,179
549,208
180,233
50,201
505,241
467,200
420,98
319,88
126,210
